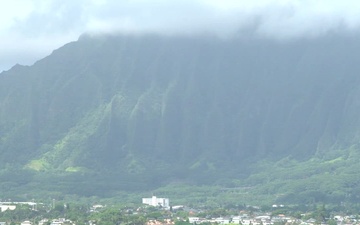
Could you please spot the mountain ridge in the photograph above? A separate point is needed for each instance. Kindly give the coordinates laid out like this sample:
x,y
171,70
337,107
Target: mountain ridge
x,y
181,108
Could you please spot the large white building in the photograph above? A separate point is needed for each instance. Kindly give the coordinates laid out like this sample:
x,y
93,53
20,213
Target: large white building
x,y
154,201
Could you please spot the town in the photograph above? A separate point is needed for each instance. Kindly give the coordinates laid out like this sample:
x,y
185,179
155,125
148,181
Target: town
x,y
159,211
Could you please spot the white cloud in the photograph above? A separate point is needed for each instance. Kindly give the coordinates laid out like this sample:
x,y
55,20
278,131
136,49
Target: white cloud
x,y
10,12
31,29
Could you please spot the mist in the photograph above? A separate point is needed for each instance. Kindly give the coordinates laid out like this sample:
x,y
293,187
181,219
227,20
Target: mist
x,y
31,30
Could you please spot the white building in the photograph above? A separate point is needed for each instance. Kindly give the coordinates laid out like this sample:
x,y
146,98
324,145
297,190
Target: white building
x,y
194,219
221,220
7,207
27,222
43,221
154,201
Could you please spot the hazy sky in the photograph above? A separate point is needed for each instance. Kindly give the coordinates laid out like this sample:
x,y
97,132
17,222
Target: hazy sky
x,y
31,29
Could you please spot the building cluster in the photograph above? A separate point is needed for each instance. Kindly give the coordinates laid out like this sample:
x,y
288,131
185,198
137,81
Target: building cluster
x,y
245,219
168,215
158,222
59,221
267,219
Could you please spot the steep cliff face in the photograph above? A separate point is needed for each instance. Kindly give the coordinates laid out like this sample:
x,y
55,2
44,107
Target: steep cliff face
x,y
170,106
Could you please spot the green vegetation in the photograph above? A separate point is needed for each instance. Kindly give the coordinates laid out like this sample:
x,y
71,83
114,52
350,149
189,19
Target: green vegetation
x,y
198,119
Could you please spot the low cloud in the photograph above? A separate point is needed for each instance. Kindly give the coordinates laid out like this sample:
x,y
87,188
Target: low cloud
x,y
31,29
279,19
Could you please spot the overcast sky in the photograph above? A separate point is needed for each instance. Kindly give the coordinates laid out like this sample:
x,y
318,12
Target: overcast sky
x,y
31,29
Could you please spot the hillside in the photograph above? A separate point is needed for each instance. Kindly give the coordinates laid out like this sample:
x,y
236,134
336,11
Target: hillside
x,y
140,112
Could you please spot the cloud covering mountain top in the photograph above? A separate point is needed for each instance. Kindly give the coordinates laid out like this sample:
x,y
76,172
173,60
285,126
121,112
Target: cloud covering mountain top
x,y
31,29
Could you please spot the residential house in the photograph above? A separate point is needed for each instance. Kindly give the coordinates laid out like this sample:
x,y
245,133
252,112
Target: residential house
x,y
27,222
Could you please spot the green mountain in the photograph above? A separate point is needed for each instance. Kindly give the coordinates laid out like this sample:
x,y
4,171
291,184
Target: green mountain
x,y
130,112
